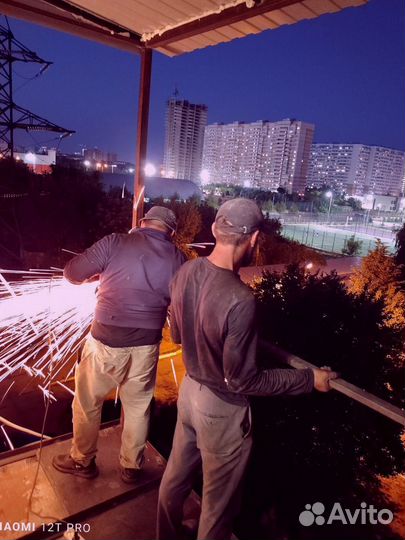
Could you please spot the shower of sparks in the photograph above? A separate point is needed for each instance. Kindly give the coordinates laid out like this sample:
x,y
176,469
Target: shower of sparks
x,y
43,321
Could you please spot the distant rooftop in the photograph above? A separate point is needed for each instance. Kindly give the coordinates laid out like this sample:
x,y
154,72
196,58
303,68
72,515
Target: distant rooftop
x,y
155,187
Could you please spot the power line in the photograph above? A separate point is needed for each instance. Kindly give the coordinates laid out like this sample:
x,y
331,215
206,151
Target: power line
x,y
12,116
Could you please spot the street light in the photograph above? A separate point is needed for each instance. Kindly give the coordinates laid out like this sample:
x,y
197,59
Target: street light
x,y
329,195
31,159
150,169
205,176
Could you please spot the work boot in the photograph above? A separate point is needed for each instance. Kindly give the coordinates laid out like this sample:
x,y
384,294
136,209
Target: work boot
x,y
130,476
64,463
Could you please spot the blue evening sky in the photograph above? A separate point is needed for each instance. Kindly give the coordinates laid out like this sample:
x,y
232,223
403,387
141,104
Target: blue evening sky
x,y
343,72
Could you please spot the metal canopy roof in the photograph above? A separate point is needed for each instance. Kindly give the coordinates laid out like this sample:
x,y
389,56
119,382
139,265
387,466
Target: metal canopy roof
x,y
172,27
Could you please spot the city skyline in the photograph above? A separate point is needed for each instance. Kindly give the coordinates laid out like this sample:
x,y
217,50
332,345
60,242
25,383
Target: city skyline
x,y
350,87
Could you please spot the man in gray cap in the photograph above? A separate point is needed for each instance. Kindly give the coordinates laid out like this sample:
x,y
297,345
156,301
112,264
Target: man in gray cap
x,y
213,317
122,347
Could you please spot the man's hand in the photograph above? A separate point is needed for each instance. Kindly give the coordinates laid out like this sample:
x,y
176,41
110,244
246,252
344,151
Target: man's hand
x,y
322,376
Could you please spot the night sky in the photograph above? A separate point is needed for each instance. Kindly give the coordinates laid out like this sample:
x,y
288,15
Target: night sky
x,y
343,72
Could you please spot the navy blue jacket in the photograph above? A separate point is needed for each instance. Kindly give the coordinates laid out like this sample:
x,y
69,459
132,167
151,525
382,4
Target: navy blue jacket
x,y
135,271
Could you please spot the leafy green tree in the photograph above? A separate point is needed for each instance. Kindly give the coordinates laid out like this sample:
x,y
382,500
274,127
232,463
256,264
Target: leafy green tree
x,y
189,223
55,211
354,203
15,177
114,212
293,209
400,246
322,447
352,246
280,207
268,206
379,278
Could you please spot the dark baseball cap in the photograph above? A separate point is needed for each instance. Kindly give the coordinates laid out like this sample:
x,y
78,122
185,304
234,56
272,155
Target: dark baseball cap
x,y
163,214
241,216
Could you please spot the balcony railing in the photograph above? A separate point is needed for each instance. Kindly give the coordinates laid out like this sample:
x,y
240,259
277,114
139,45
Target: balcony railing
x,y
340,385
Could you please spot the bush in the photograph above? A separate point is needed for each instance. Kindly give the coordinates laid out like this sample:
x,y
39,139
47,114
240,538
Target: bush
x,y
352,246
322,447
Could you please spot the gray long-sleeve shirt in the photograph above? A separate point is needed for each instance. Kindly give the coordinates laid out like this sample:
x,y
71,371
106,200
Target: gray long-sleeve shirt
x,y
213,317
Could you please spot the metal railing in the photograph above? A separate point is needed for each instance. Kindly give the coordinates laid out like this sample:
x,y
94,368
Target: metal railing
x,y
340,385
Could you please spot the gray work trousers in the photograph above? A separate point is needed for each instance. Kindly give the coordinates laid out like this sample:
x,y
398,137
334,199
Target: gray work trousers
x,y
215,434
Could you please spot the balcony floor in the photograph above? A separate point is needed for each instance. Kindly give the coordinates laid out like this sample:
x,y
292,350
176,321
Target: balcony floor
x,y
110,508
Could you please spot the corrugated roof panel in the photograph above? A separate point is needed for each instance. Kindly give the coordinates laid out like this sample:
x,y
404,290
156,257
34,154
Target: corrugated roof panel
x,y
217,35
246,27
299,12
271,25
350,3
139,16
260,22
280,17
230,33
320,7
150,18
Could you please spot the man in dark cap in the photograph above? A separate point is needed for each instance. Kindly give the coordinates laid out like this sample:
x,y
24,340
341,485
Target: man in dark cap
x,y
122,348
213,317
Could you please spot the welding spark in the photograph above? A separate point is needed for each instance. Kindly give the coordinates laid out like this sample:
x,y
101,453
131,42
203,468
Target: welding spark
x,y
43,321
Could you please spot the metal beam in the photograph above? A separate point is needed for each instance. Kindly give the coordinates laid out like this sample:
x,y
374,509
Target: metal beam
x,y
65,23
213,21
91,18
142,135
340,385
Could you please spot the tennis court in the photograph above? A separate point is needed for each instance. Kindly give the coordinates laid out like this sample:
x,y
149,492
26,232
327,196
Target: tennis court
x,y
332,238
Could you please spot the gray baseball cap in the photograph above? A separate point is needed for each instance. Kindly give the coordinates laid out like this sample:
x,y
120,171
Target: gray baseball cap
x,y
163,214
241,216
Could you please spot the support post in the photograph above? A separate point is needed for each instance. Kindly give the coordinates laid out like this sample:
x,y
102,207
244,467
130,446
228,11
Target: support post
x,y
142,135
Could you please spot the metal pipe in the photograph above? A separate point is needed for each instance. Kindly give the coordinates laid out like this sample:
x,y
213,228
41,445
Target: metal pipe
x,y
142,135
23,429
340,385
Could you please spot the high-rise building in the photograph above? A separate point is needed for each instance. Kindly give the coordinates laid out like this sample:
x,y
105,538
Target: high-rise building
x,y
260,154
357,169
185,124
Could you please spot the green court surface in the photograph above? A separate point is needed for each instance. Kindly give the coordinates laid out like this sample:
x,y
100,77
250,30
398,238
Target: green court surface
x,y
331,238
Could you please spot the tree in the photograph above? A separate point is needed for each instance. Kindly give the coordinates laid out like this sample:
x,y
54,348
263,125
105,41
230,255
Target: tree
x,y
352,246
115,212
293,208
268,206
379,278
188,223
48,212
322,447
354,203
207,213
400,245
280,207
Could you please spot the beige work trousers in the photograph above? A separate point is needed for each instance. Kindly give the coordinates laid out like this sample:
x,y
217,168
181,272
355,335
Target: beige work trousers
x,y
101,370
